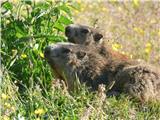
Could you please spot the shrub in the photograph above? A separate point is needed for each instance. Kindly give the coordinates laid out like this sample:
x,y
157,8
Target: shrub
x,y
27,27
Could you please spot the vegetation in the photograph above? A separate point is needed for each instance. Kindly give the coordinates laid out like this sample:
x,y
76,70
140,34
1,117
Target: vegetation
x,y
28,88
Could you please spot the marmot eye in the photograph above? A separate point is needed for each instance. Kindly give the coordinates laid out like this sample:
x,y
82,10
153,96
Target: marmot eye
x,y
65,50
84,31
81,54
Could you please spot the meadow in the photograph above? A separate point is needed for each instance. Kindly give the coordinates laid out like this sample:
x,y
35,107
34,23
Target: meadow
x,y
29,89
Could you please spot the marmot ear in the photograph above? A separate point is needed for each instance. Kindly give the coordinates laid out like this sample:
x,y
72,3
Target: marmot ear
x,y
66,50
81,54
97,36
85,30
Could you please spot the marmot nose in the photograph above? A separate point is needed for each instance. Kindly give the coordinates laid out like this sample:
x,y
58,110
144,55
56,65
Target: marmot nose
x,y
67,31
47,51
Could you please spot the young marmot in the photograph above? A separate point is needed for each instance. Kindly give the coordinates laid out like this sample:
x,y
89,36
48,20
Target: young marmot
x,y
69,61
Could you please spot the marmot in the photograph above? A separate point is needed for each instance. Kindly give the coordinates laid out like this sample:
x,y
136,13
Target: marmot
x,y
82,34
69,60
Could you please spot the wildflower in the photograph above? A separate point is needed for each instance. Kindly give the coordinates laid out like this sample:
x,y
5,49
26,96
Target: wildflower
x,y
136,3
82,9
148,48
39,111
131,56
41,54
23,56
120,8
149,45
79,1
104,9
116,46
7,105
13,109
4,96
139,30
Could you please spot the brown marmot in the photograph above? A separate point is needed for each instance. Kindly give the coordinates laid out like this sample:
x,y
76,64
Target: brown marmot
x,y
82,34
93,68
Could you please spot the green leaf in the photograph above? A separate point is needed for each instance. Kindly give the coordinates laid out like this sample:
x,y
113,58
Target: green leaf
x,y
55,11
55,38
59,26
7,5
20,28
65,8
19,35
35,12
43,5
29,2
64,20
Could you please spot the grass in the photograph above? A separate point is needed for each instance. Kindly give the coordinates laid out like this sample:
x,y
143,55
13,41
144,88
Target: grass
x,y
59,104
29,89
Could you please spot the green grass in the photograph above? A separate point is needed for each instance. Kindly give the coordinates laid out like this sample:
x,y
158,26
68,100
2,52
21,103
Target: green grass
x,y
59,104
29,89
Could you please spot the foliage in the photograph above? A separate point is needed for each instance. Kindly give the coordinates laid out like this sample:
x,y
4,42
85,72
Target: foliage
x,y
27,27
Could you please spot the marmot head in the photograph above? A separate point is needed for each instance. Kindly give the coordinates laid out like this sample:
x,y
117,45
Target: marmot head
x,y
81,34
